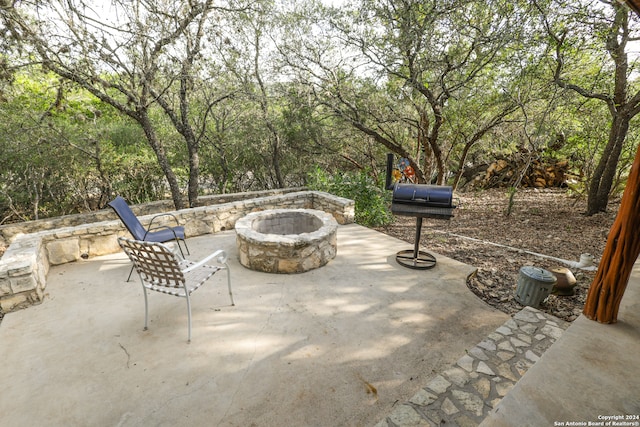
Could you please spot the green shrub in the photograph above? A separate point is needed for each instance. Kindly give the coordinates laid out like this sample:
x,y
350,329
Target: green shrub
x,y
371,201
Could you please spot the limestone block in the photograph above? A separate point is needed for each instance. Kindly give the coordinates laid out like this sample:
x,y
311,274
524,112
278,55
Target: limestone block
x,y
288,266
197,227
255,252
249,204
423,398
40,272
217,225
266,265
10,233
64,233
405,415
244,258
100,245
21,243
21,300
13,301
23,284
20,265
102,228
63,250
223,215
311,262
5,287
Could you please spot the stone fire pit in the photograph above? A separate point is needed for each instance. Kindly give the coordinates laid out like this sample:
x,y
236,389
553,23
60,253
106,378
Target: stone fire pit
x,y
286,240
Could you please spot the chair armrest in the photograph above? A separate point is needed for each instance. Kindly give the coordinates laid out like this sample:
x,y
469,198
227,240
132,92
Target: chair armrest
x,y
159,228
220,256
158,216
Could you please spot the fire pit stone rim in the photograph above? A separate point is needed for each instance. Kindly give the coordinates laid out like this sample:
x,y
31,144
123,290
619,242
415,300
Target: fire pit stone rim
x,y
286,253
244,227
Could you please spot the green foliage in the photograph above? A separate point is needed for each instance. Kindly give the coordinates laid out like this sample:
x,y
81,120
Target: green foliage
x,y
371,201
421,74
511,193
63,151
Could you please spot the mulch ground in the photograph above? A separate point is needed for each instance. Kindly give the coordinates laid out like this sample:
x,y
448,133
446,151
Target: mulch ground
x,y
548,222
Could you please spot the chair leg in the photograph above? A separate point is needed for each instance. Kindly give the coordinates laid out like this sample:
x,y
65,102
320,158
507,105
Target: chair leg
x,y
180,247
189,316
130,273
146,308
229,282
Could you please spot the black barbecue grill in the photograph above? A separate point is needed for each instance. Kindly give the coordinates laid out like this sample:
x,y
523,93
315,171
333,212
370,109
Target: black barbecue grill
x,y
419,201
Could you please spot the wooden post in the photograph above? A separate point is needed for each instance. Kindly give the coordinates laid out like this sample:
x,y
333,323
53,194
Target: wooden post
x,y
620,253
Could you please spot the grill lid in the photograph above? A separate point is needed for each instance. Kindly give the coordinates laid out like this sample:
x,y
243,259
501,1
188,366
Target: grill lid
x,y
423,195
538,274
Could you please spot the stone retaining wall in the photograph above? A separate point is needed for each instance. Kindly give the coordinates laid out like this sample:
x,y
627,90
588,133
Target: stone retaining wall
x,y
25,264
8,232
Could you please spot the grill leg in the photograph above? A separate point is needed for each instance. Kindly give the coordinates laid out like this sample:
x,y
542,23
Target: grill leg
x,y
416,245
416,258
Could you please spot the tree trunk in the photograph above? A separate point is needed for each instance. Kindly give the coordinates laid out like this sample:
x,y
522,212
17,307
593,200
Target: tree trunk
x,y
437,154
183,126
604,174
158,149
194,173
620,253
275,156
427,160
621,107
435,147
425,147
461,163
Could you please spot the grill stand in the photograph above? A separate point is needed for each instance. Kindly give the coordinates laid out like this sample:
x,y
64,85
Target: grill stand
x,y
419,201
416,259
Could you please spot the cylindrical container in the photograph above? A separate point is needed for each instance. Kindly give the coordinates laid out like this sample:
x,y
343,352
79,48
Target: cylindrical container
x,y
586,260
534,285
565,282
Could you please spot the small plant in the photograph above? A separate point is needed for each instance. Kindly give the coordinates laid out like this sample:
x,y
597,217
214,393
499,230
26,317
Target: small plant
x,y
371,201
512,194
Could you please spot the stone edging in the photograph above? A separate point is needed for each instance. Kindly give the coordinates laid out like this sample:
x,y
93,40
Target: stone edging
x,y
25,264
465,394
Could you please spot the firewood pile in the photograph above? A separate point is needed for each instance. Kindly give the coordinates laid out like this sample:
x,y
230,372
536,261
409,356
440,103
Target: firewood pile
x,y
530,172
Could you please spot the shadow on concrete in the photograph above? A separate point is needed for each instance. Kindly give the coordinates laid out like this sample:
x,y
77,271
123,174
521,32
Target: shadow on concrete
x,y
340,345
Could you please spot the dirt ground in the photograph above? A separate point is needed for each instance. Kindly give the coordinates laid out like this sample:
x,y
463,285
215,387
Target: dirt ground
x,y
548,222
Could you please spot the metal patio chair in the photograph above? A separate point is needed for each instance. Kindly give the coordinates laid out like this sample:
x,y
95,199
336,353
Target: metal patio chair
x,y
159,234
162,270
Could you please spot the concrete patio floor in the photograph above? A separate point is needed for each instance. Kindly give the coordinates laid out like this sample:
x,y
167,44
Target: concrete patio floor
x,y
336,346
